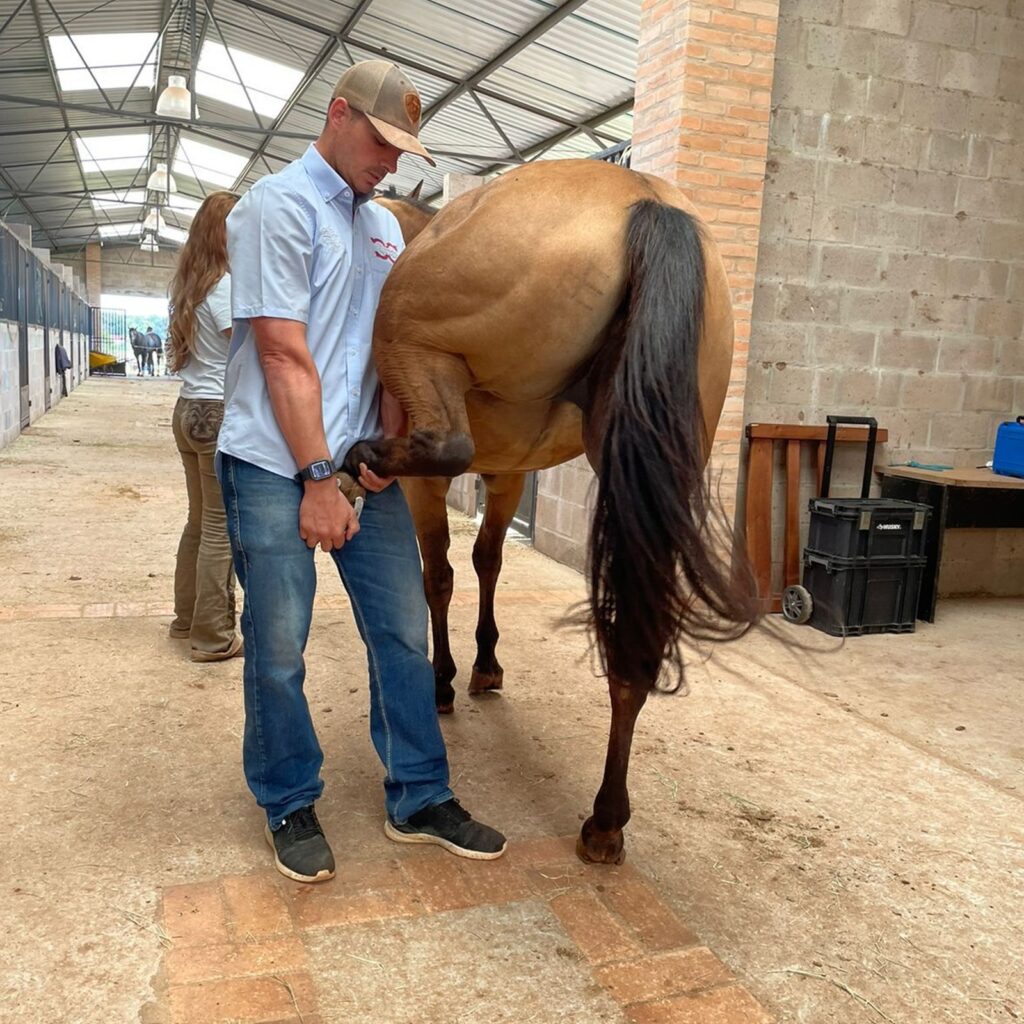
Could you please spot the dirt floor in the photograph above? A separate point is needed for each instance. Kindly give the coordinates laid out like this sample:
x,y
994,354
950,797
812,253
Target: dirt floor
x,y
842,827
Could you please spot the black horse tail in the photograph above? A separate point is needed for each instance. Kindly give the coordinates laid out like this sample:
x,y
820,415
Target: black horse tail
x,y
657,562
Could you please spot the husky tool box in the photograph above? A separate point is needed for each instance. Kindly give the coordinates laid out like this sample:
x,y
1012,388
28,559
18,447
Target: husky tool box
x,y
864,558
1008,458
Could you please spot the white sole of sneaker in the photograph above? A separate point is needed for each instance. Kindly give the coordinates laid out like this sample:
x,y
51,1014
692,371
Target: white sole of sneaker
x,y
322,876
422,837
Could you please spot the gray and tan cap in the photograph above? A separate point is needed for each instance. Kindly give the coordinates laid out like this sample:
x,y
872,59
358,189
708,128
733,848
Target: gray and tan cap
x,y
378,89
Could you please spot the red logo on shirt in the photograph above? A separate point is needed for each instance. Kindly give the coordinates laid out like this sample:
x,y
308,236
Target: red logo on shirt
x,y
385,255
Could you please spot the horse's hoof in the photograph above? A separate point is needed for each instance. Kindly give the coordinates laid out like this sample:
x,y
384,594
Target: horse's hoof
x,y
349,486
597,847
481,682
445,709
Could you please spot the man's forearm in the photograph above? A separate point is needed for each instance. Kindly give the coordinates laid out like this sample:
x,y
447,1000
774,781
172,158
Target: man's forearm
x,y
293,385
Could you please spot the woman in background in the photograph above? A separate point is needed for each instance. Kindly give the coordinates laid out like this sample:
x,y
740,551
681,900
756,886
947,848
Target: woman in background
x,y
197,350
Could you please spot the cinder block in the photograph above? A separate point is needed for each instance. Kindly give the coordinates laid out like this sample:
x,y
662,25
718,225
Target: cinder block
x,y
906,61
945,234
932,391
920,273
804,88
995,118
975,73
892,16
1007,161
860,183
893,144
803,304
905,351
934,109
998,35
887,229
926,191
980,278
849,265
967,354
988,394
841,346
942,23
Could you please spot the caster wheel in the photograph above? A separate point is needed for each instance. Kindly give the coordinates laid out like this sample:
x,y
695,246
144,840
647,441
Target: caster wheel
x,y
797,603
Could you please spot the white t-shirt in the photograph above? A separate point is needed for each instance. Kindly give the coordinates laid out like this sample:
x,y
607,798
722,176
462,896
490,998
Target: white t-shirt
x,y
203,375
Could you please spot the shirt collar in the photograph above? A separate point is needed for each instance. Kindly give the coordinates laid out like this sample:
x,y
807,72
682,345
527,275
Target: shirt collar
x,y
328,182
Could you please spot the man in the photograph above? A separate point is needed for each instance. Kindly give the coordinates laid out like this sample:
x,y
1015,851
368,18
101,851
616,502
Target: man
x,y
62,363
309,255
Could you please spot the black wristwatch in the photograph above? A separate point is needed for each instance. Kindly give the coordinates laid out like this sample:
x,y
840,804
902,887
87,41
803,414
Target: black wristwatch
x,y
322,469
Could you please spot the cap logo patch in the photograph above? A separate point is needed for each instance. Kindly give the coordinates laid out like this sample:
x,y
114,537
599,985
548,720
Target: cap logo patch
x,y
412,107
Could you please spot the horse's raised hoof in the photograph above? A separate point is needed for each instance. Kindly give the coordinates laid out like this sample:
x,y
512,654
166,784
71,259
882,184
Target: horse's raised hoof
x,y
597,847
482,682
349,486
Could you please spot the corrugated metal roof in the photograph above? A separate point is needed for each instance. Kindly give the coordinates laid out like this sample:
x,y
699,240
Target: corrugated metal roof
x,y
577,69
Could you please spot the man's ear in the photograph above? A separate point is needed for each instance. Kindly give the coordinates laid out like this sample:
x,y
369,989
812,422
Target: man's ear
x,y
338,110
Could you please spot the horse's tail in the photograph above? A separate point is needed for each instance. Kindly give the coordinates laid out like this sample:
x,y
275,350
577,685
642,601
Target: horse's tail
x,y
657,570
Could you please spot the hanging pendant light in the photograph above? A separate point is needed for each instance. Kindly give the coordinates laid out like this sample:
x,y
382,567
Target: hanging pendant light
x,y
149,245
175,100
161,180
153,222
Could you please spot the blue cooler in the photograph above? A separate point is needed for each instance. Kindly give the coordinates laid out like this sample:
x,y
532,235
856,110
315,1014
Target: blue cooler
x,y
1008,458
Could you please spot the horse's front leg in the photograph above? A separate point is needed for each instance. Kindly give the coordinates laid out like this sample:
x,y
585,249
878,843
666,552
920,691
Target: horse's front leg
x,y
503,494
600,840
426,497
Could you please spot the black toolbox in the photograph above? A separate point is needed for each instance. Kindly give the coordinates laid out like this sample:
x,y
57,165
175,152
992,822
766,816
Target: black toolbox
x,y
864,558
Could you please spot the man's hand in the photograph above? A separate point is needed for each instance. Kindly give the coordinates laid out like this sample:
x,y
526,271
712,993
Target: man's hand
x,y
371,481
326,517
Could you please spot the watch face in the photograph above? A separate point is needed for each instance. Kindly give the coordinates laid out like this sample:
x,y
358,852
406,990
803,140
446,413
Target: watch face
x,y
321,470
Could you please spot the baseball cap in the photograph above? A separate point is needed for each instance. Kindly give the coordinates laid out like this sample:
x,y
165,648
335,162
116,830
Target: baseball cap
x,y
379,89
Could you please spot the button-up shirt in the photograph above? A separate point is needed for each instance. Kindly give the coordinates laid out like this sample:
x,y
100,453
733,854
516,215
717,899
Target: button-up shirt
x,y
303,246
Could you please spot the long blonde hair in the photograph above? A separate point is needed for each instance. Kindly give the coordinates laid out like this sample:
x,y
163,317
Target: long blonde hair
x,y
203,261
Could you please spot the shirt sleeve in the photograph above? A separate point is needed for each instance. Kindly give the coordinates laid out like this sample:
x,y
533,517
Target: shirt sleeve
x,y
270,250
219,303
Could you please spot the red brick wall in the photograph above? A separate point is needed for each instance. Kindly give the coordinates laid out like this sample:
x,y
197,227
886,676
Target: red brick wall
x,y
703,94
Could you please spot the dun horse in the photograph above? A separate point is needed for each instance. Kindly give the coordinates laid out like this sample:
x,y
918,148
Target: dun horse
x,y
569,301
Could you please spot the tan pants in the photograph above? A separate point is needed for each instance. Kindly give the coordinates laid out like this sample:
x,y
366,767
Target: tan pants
x,y
204,578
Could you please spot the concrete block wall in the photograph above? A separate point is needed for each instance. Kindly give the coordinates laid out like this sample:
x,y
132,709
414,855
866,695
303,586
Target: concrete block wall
x,y
36,374
891,266
122,270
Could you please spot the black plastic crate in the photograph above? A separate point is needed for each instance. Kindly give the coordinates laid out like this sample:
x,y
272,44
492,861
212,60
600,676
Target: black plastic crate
x,y
853,596
869,528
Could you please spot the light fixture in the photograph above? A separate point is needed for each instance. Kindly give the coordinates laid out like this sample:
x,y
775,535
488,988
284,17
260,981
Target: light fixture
x,y
161,181
175,100
149,245
153,222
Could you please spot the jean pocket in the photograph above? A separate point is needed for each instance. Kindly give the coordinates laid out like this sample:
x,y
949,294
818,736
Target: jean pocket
x,y
201,421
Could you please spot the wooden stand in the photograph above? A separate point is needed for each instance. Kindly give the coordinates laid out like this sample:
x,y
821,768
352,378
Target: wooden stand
x,y
760,462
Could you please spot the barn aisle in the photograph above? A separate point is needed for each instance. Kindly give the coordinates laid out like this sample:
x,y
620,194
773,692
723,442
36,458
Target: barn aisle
x,y
823,833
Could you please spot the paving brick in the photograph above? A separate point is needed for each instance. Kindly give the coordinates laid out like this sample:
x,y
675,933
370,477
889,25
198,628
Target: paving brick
x,y
437,880
191,964
256,906
667,974
195,914
341,908
732,1005
601,937
538,853
639,906
496,881
250,1000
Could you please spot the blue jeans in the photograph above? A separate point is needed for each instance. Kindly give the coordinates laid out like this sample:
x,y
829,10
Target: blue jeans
x,y
380,569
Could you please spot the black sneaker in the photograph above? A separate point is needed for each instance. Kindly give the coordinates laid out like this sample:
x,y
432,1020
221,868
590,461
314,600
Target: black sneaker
x,y
300,850
451,826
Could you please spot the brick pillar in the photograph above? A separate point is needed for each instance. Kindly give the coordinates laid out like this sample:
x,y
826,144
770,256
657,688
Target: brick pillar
x,y
93,273
703,100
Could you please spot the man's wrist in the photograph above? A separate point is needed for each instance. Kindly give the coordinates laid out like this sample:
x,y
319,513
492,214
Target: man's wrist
x,y
317,471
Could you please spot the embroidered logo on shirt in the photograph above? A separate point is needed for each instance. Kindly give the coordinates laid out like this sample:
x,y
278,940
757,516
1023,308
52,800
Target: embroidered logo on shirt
x,y
331,242
381,249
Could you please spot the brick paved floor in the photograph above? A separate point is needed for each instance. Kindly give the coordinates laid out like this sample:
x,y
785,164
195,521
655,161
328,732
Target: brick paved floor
x,y
424,937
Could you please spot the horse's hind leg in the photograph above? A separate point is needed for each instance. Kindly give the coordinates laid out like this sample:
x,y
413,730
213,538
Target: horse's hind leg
x,y
503,494
426,497
431,387
600,840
